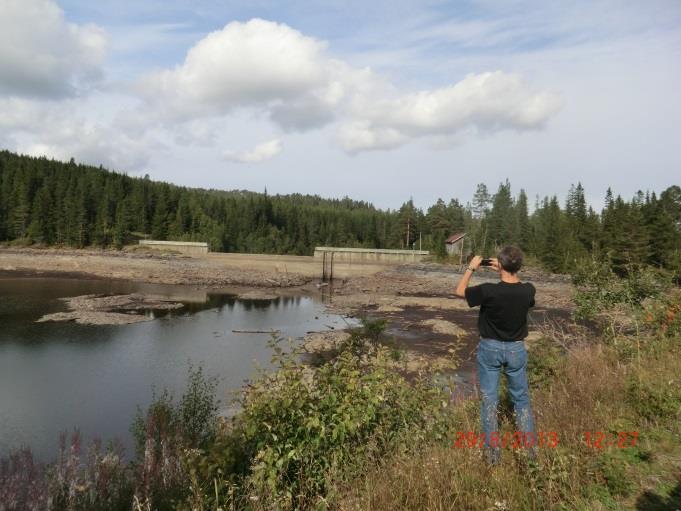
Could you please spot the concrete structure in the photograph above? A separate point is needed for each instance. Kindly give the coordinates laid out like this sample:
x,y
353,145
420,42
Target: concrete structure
x,y
342,262
191,248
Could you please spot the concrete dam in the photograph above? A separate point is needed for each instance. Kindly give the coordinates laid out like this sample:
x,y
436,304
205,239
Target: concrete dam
x,y
336,262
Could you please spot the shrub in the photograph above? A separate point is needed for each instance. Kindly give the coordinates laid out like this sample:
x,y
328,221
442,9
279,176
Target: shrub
x,y
167,433
364,337
600,289
613,471
98,481
663,315
22,482
543,362
299,426
659,401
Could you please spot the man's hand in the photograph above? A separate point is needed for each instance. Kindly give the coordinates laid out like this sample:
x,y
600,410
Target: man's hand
x,y
495,263
475,262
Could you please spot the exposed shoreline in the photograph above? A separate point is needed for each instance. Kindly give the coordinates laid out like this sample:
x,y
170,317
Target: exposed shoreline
x,y
144,266
423,315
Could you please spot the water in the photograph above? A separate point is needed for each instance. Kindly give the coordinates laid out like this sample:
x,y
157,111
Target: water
x,y
58,376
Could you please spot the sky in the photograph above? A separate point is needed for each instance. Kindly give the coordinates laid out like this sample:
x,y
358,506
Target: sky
x,y
380,101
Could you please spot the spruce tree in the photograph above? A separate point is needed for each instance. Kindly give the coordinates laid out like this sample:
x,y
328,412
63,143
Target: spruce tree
x,y
522,222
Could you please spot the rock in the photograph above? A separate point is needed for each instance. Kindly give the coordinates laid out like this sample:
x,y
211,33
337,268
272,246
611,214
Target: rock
x,y
95,318
111,309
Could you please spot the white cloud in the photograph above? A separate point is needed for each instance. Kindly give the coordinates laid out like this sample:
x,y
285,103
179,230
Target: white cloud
x,y
480,103
42,55
260,153
275,70
362,136
67,129
260,64
257,68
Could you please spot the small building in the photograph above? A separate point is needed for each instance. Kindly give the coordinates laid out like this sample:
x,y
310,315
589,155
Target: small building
x,y
455,245
191,248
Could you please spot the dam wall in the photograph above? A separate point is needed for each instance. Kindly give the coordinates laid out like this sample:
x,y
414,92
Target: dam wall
x,y
336,262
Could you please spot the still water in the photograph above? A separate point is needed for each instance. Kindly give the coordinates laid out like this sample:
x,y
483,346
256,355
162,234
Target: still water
x,y
58,376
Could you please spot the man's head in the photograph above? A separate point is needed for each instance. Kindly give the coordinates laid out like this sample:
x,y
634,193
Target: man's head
x,y
510,259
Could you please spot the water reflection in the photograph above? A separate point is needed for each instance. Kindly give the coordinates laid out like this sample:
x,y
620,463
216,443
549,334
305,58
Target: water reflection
x,y
56,376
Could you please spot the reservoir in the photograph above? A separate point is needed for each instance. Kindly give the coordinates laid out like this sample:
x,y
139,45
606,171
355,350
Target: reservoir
x,y
55,377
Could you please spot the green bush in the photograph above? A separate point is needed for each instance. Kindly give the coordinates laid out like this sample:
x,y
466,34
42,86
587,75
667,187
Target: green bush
x,y
663,315
544,362
600,289
300,426
659,401
613,470
364,337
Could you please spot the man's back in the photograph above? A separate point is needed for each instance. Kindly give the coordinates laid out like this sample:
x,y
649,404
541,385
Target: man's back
x,y
503,309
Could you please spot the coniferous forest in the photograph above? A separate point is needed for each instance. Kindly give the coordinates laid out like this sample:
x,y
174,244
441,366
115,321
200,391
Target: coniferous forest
x,y
48,202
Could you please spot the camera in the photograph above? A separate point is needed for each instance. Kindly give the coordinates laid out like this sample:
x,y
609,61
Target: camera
x,y
486,262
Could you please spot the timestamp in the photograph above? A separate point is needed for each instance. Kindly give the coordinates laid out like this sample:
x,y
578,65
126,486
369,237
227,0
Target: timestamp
x,y
514,440
603,439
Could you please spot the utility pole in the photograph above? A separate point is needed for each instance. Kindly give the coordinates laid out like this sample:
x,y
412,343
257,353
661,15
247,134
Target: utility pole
x,y
419,241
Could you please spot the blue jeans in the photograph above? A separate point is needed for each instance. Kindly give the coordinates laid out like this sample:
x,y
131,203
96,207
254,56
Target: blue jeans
x,y
494,356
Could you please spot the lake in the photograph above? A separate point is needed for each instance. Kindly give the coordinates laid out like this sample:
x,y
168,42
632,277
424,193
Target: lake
x,y
58,376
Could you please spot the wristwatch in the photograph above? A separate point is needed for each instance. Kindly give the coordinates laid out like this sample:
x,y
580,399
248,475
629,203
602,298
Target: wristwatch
x,y
471,269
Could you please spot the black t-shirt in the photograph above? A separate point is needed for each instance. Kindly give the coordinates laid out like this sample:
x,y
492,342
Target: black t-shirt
x,y
503,309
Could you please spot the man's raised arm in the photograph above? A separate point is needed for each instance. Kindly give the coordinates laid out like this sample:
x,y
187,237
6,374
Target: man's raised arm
x,y
460,290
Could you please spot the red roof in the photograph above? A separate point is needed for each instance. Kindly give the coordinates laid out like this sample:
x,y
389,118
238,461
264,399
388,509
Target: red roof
x,y
455,237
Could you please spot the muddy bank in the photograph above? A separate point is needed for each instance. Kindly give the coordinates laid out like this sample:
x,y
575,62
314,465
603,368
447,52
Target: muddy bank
x,y
433,286
112,310
426,284
435,329
433,339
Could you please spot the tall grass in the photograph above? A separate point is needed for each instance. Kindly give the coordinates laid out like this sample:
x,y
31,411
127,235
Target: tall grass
x,y
597,386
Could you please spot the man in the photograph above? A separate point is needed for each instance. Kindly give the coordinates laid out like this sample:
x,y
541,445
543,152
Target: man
x,y
503,327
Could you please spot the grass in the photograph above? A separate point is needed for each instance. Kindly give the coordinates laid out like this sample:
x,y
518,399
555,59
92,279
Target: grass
x,y
591,389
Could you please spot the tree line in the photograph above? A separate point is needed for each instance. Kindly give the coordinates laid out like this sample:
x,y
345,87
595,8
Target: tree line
x,y
48,202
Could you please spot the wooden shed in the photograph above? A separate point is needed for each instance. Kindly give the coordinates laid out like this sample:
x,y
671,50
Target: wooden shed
x,y
455,245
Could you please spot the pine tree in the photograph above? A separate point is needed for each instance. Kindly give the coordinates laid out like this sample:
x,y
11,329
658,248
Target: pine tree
x,y
522,221
439,226
41,228
159,223
502,224
407,228
662,232
481,201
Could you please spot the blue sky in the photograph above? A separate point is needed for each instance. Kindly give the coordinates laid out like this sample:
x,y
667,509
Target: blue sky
x,y
381,101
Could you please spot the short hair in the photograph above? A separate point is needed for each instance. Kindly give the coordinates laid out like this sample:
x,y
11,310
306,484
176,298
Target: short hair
x,y
510,258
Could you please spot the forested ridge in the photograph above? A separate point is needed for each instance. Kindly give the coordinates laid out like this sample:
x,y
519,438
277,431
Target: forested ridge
x,y
49,202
